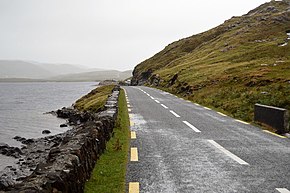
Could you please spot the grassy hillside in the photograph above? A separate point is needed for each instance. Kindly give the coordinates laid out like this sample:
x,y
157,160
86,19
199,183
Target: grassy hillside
x,y
231,67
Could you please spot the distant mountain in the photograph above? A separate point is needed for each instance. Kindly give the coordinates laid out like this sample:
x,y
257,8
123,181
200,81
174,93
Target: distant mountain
x,y
18,71
21,69
59,69
94,76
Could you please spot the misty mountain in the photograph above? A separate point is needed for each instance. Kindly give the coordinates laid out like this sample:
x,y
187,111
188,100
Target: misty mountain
x,y
35,70
59,69
21,69
94,76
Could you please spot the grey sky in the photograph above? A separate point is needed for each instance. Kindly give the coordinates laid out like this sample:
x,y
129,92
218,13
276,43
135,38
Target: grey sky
x,y
111,34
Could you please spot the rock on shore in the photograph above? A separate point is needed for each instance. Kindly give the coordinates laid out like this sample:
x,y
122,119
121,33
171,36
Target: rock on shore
x,y
63,162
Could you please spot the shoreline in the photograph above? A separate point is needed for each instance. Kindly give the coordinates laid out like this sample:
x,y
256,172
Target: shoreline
x,y
51,152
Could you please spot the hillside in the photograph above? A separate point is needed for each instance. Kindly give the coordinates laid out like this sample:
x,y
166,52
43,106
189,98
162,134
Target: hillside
x,y
94,76
245,60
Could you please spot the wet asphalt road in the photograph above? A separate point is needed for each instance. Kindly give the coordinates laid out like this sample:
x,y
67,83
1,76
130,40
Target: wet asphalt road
x,y
184,147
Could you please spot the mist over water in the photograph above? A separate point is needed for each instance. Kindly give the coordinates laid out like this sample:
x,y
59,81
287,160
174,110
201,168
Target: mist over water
x,y
22,108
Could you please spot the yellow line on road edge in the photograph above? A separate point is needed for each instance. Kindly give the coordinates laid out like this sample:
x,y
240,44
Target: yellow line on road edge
x,y
133,135
131,123
134,187
275,134
242,122
134,154
222,114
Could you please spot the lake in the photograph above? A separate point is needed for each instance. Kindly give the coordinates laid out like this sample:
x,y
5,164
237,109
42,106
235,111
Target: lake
x,y
23,107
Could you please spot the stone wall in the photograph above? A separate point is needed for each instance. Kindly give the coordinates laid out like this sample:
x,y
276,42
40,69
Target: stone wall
x,y
67,159
274,117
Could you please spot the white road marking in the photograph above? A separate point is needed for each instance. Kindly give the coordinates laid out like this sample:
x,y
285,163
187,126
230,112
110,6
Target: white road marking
x,y
197,104
191,126
152,98
148,94
283,190
228,153
164,106
157,101
174,113
207,108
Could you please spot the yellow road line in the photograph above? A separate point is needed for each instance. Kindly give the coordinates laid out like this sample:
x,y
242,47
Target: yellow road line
x,y
131,123
134,154
242,122
133,135
275,134
134,187
222,114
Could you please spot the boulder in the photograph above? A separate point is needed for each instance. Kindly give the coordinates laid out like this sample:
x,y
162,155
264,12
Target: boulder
x,y
46,132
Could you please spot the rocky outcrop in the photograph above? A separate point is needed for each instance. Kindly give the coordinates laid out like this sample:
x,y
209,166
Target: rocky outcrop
x,y
62,163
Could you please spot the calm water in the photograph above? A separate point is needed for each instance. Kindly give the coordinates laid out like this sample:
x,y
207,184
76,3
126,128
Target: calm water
x,y
22,108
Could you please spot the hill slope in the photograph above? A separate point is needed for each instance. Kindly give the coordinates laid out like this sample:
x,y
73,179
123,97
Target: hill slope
x,y
245,60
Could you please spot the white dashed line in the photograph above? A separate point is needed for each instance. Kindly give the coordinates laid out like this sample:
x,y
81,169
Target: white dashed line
x,y
207,108
165,107
283,190
228,153
157,101
175,114
152,98
191,126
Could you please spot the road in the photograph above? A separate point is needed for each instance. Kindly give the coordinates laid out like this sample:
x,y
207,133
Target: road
x,y
179,146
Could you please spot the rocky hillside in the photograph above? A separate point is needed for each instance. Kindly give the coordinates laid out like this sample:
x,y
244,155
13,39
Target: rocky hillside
x,y
243,61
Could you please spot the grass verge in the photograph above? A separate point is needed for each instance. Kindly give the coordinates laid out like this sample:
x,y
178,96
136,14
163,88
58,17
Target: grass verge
x,y
109,173
95,100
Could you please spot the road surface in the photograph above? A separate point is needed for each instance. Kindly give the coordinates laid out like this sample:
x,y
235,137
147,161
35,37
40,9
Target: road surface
x,y
179,146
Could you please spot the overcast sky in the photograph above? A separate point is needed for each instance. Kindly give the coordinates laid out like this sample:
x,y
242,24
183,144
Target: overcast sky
x,y
111,34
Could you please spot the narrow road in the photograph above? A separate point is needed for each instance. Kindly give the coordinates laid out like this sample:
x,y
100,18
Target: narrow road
x,y
179,146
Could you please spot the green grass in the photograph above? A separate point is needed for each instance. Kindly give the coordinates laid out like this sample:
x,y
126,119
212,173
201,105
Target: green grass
x,y
95,100
109,173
